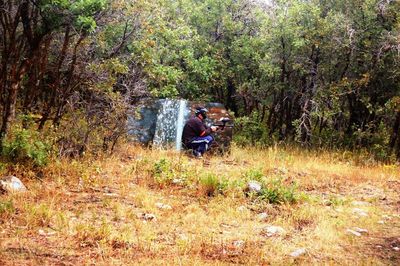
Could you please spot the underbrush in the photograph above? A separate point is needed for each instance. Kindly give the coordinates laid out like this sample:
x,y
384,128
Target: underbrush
x,y
26,146
210,183
367,146
275,192
166,172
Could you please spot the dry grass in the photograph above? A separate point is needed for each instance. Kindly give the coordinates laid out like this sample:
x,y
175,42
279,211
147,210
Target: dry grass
x,y
98,210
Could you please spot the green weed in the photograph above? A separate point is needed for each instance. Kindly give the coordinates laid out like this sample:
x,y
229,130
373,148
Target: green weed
x,y
212,185
6,208
275,192
25,146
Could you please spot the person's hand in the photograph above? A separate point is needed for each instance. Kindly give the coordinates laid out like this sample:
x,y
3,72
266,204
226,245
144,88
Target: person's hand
x,y
214,128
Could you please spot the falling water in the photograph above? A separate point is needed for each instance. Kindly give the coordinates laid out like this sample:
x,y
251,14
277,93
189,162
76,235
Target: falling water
x,y
170,121
180,123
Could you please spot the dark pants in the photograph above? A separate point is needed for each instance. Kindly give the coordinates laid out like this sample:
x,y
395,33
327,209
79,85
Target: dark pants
x,y
200,144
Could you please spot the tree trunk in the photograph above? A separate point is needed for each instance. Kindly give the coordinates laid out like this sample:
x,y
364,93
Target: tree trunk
x,y
9,111
230,99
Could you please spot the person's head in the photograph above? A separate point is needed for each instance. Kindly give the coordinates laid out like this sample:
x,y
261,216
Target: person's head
x,y
201,112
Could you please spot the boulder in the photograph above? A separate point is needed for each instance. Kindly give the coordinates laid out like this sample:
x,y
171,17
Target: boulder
x,y
11,184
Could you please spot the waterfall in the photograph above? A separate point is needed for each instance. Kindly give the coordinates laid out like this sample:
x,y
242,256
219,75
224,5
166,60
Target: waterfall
x,y
180,124
170,121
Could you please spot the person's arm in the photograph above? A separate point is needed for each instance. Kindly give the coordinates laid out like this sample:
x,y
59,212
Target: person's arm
x,y
205,131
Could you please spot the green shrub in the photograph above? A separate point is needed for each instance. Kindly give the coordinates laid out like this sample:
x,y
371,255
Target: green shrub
x,y
275,192
162,171
212,185
25,146
254,174
6,208
250,131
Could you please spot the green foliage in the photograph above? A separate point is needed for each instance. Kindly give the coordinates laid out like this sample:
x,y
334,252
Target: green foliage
x,y
162,171
6,208
212,184
165,171
275,192
58,13
250,131
337,201
253,174
26,146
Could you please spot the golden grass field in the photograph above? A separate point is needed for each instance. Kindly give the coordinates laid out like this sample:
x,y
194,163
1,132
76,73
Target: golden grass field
x,y
140,206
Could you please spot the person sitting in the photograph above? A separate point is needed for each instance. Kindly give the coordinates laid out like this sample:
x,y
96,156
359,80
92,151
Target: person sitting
x,y
196,135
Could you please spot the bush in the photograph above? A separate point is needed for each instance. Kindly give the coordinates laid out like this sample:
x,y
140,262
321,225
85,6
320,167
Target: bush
x,y
212,185
254,174
275,192
250,131
25,146
164,172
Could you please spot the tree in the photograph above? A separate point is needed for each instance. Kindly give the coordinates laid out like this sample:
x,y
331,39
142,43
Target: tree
x,y
27,30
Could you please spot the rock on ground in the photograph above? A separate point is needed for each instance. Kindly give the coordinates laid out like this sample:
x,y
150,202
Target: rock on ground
x,y
163,206
11,184
262,216
298,252
272,230
254,186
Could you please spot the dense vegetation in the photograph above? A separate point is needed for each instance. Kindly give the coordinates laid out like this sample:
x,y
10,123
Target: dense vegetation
x,y
318,73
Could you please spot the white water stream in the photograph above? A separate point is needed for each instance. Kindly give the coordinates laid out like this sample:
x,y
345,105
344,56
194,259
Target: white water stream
x,y
171,117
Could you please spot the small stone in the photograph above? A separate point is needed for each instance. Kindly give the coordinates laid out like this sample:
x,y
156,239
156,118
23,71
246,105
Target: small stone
x,y
242,208
111,194
238,243
163,206
262,216
43,233
327,202
273,230
12,184
378,246
360,212
381,222
177,181
360,230
183,237
396,248
353,232
298,252
254,186
148,217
